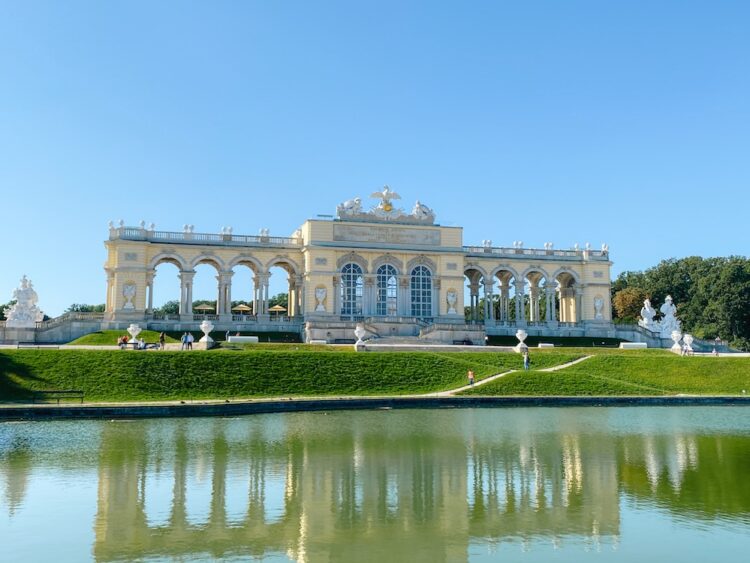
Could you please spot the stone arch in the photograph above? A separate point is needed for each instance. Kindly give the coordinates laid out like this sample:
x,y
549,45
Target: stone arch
x,y
421,260
504,268
564,270
477,268
246,260
535,270
171,258
387,259
285,262
353,258
479,299
210,259
568,303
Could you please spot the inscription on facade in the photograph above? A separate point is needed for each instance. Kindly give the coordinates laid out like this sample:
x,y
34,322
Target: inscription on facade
x,y
321,261
131,256
451,266
598,274
386,235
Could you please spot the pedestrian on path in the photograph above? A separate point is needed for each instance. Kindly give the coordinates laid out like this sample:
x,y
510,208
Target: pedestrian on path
x,y
183,341
162,340
190,340
471,377
526,360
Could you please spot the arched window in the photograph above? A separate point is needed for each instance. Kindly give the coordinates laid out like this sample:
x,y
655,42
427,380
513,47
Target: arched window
x,y
421,292
387,302
352,286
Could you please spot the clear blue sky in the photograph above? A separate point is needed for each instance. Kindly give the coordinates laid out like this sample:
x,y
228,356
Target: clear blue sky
x,y
622,122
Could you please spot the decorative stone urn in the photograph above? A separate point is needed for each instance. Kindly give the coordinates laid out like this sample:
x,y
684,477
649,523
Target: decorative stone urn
x,y
688,340
134,330
206,327
676,337
521,334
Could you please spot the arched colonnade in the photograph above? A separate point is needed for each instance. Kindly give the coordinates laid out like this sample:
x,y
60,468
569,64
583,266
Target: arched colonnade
x,y
261,272
503,295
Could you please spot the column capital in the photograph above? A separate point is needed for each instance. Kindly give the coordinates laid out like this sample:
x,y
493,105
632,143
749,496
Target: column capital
x,y
187,275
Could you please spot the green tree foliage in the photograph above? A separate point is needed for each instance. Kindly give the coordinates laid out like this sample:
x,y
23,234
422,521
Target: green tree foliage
x,y
627,303
169,308
712,294
7,305
85,308
279,299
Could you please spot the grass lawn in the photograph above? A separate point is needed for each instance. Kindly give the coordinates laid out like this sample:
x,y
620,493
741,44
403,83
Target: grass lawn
x,y
109,337
635,372
115,375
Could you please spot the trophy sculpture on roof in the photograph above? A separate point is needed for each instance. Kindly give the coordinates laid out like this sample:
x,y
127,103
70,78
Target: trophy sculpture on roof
x,y
385,210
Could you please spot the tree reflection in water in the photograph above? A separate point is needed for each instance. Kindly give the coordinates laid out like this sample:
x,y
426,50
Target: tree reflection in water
x,y
416,485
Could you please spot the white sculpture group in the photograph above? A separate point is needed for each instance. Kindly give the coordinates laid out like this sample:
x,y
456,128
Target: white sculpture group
x,y
25,313
385,209
668,324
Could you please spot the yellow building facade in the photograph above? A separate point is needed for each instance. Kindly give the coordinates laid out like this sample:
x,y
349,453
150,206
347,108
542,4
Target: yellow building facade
x,y
400,274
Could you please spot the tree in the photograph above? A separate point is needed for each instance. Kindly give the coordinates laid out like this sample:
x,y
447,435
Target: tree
x,y
627,303
8,305
279,299
85,308
169,308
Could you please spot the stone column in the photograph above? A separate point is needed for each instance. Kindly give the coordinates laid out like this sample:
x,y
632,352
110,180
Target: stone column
x,y
264,293
150,291
299,294
336,297
404,305
186,292
551,317
368,295
505,303
224,300
534,304
435,305
520,305
489,305
578,304
474,301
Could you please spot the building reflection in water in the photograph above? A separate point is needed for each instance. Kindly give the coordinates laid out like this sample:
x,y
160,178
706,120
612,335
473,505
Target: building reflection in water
x,y
422,485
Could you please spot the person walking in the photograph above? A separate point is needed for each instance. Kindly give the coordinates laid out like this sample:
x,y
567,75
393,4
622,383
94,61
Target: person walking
x,y
526,361
162,340
190,340
183,341
470,375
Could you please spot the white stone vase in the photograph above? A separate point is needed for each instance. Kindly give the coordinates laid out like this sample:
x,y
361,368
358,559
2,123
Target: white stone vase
x,y
676,337
134,330
521,334
688,340
206,327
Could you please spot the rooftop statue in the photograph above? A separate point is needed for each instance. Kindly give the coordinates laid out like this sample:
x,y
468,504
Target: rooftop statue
x,y
385,210
25,313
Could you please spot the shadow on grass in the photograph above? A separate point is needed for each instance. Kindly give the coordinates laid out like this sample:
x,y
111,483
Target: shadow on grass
x,y
11,390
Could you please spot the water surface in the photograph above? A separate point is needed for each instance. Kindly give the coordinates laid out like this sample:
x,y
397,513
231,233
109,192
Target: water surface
x,y
526,484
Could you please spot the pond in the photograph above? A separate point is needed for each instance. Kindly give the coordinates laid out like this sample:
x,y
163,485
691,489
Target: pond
x,y
515,484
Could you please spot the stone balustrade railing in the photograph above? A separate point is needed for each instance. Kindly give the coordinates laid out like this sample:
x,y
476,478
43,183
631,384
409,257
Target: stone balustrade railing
x,y
69,317
538,253
218,239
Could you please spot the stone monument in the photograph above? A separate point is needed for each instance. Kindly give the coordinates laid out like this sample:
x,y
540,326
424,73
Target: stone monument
x,y
25,313
669,322
647,317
